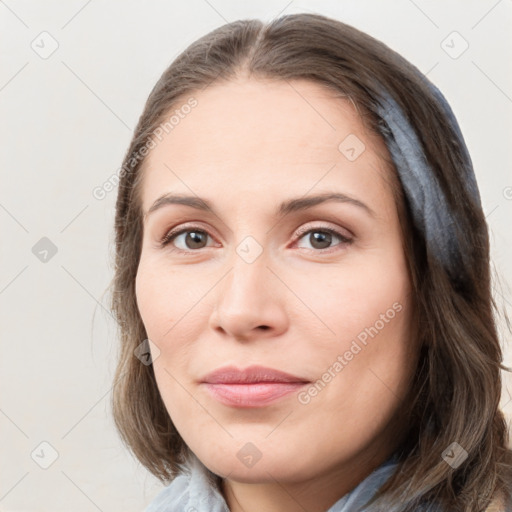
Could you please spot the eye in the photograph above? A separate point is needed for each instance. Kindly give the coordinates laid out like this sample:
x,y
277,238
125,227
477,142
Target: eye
x,y
194,238
321,237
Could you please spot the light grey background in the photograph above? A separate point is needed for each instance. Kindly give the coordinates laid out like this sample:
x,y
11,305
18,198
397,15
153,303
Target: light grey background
x,y
66,121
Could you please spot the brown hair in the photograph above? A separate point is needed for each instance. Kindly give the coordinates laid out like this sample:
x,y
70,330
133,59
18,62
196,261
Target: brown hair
x,y
455,394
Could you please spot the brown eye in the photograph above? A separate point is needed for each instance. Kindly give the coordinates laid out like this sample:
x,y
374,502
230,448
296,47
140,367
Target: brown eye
x,y
322,238
193,239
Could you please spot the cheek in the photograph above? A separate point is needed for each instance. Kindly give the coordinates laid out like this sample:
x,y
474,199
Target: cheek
x,y
147,292
163,297
363,375
164,314
174,311
347,300
369,349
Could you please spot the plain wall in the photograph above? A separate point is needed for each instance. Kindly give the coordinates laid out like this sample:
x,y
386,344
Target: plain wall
x,y
66,120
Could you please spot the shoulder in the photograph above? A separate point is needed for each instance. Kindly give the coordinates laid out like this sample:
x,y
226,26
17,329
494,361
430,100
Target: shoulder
x,y
171,495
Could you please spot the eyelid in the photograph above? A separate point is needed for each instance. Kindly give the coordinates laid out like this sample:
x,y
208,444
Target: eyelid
x,y
323,227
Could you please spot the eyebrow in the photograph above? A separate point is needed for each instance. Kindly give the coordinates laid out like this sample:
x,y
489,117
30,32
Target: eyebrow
x,y
286,207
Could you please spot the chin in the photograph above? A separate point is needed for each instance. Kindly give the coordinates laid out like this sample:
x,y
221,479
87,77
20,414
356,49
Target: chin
x,y
267,469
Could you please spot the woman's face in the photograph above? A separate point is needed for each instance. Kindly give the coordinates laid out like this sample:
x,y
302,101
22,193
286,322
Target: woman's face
x,y
316,289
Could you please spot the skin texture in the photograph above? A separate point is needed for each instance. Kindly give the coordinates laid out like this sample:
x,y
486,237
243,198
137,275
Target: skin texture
x,y
247,146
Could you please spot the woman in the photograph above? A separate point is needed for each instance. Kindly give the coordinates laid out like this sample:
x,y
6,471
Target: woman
x,y
302,283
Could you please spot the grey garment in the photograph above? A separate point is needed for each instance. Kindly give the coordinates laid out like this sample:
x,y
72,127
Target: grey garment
x,y
194,491
431,212
198,491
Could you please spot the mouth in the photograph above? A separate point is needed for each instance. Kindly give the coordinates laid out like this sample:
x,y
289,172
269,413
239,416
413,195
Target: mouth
x,y
255,386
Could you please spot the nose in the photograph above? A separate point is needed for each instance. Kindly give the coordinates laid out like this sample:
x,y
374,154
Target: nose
x,y
249,302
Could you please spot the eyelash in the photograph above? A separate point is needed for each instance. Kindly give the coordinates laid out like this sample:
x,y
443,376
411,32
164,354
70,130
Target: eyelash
x,y
171,235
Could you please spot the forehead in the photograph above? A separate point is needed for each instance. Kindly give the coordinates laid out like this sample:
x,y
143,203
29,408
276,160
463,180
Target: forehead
x,y
265,137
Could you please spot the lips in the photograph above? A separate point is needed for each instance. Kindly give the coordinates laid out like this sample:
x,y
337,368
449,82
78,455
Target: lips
x,y
252,374
255,386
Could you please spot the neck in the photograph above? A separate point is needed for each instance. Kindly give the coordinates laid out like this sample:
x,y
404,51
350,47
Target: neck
x,y
315,495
